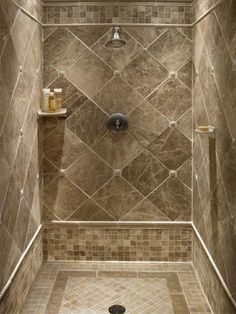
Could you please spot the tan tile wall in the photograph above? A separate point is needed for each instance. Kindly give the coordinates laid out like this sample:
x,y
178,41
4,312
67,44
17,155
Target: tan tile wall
x,y
98,243
216,295
152,13
143,174
20,90
214,158
15,296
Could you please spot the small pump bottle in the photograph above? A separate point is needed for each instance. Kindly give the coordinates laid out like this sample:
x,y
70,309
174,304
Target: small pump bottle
x,y
45,99
52,102
58,97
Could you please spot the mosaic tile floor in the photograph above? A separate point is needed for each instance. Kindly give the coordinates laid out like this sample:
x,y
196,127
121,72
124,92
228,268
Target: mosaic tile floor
x,y
92,287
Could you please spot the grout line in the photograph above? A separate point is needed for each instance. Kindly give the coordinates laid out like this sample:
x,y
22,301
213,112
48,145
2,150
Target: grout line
x,y
212,262
5,288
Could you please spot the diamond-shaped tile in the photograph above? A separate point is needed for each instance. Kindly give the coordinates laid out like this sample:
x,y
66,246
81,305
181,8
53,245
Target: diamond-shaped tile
x,y
62,49
89,34
144,73
50,172
145,211
117,149
62,147
117,58
49,73
90,211
117,96
185,124
173,199
172,148
72,97
146,123
185,173
89,172
185,74
89,73
172,99
145,173
117,197
63,197
145,35
88,122
172,49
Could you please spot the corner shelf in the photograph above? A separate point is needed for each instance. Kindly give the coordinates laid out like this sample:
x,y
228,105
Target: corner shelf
x,y
59,113
205,129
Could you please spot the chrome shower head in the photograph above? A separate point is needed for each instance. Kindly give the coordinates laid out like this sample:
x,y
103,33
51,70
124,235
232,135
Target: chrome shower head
x,y
116,41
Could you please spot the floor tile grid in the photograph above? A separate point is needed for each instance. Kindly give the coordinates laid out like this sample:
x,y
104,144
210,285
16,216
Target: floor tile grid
x,y
42,287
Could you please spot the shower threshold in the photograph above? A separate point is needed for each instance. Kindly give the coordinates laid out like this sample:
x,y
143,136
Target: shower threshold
x,y
94,287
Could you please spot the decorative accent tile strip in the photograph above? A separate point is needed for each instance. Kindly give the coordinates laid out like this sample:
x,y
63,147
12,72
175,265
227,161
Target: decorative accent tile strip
x,y
73,242
118,13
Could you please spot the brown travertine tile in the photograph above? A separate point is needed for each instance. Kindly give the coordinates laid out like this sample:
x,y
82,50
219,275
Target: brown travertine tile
x,y
146,123
145,35
49,172
145,173
172,148
172,49
117,59
49,73
185,173
172,99
145,211
117,96
63,197
112,146
99,172
173,199
117,274
62,147
185,74
72,98
179,304
89,73
62,49
117,197
19,233
90,211
89,35
88,132
185,124
144,73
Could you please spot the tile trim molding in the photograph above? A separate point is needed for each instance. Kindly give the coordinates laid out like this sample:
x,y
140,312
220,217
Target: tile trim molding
x,y
23,256
213,264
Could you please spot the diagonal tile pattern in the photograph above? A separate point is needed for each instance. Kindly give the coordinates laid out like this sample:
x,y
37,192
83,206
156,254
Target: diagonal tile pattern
x,y
145,173
117,197
144,73
172,148
118,81
117,58
172,49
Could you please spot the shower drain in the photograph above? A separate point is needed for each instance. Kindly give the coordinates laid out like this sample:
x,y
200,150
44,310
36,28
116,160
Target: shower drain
x,y
116,309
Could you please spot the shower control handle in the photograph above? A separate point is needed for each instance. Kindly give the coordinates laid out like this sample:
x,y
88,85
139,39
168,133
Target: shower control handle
x,y
117,123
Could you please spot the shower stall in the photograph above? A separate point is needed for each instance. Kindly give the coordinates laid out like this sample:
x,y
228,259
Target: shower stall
x,y
123,199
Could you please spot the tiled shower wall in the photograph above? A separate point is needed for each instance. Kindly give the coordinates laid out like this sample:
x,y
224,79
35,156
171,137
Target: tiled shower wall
x,y
20,90
214,90
143,174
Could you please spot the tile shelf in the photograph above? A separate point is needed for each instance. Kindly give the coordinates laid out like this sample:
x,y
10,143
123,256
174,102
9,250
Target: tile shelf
x,y
59,113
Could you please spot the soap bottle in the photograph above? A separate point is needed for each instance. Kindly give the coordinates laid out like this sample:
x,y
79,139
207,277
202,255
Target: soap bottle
x,y
52,102
58,97
45,99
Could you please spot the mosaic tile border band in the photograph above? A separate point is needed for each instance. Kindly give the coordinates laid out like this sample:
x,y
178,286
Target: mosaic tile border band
x,y
71,242
118,13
